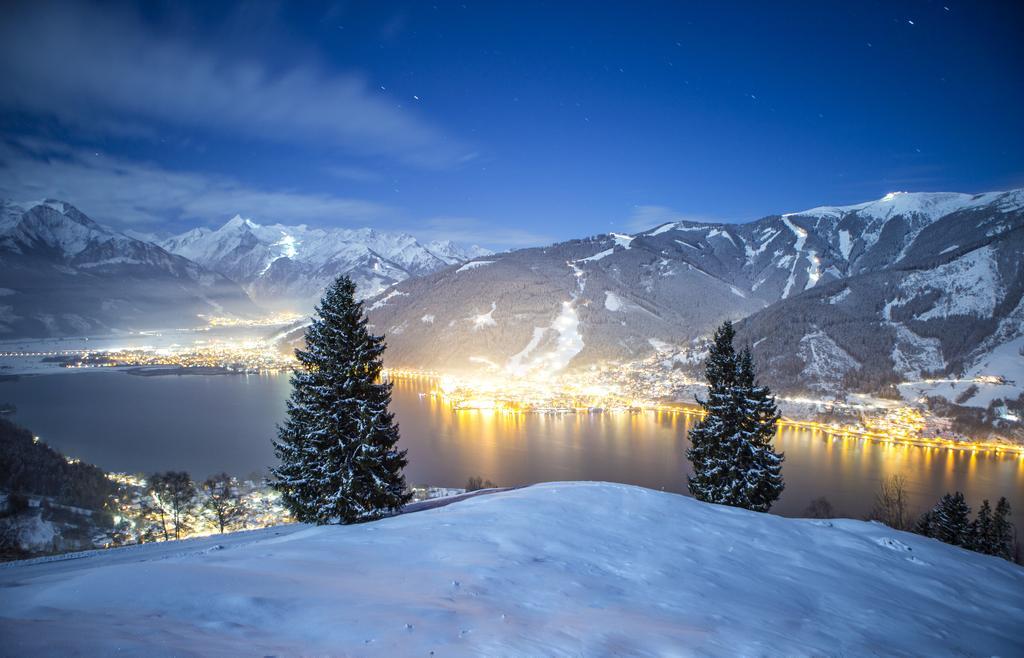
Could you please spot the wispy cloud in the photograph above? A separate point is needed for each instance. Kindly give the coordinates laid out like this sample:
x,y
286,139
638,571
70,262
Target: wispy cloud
x,y
124,192
355,174
106,71
144,196
469,230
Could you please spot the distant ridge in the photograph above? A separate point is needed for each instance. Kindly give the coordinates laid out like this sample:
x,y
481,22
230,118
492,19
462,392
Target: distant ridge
x,y
851,298
289,266
63,274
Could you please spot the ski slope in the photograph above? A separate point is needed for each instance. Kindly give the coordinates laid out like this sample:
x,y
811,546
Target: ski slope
x,y
556,569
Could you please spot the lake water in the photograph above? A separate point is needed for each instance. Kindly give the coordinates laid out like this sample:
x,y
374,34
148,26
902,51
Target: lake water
x,y
204,424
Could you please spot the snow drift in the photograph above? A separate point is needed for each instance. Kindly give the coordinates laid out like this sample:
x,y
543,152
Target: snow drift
x,y
554,569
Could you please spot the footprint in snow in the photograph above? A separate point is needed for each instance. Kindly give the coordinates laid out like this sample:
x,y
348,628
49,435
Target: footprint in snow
x,y
892,544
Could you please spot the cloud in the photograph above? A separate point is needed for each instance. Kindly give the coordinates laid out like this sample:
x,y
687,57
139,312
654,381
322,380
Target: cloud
x,y
646,217
108,71
469,230
355,174
125,192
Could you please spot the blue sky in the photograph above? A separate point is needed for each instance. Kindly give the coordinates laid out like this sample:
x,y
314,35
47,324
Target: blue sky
x,y
505,124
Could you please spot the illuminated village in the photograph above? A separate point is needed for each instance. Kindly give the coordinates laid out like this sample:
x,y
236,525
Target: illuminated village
x,y
631,387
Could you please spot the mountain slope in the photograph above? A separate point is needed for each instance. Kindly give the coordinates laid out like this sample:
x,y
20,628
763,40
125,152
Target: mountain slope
x,y
615,297
61,273
556,569
542,309
955,294
289,266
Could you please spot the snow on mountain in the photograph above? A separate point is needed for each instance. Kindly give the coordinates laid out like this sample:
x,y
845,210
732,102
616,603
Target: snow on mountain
x,y
546,307
674,282
70,275
289,266
560,569
941,309
902,216
931,205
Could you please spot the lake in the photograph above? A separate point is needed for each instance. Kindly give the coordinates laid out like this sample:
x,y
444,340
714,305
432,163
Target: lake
x,y
204,424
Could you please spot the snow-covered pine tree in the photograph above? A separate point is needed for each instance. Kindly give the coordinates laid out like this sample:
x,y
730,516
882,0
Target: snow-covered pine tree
x,y
339,461
708,454
759,466
1002,531
731,453
926,524
950,520
982,539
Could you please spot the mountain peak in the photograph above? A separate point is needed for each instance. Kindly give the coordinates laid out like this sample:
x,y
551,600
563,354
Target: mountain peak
x,y
291,265
239,222
930,205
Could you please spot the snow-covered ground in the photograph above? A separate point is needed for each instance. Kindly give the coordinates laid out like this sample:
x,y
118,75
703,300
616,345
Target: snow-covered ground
x,y
555,569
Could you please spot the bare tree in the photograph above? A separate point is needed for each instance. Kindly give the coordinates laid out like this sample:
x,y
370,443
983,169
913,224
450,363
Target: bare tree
x,y
819,508
891,506
173,496
476,482
222,500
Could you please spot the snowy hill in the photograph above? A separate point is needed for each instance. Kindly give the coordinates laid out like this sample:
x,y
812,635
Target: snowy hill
x,y
561,569
289,266
62,273
623,297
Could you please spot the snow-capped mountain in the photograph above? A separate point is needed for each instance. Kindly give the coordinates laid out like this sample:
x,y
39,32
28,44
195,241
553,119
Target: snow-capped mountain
x,y
62,273
948,300
289,266
621,297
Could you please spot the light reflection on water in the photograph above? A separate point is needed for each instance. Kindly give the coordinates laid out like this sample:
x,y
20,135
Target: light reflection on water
x,y
648,448
204,424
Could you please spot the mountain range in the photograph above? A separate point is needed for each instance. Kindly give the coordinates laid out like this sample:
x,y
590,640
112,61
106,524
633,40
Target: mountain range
x,y
288,267
859,297
61,273
913,294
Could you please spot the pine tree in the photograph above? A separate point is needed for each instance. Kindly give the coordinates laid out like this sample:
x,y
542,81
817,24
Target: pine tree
x,y
1002,531
926,524
339,461
731,451
950,520
710,466
760,467
982,539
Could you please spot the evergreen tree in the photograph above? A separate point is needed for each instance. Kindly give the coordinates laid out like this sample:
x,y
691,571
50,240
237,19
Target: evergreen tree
x,y
950,520
339,461
758,464
731,452
982,539
706,452
1002,531
926,524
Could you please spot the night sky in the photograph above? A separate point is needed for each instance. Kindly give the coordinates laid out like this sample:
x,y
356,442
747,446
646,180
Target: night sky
x,y
505,125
